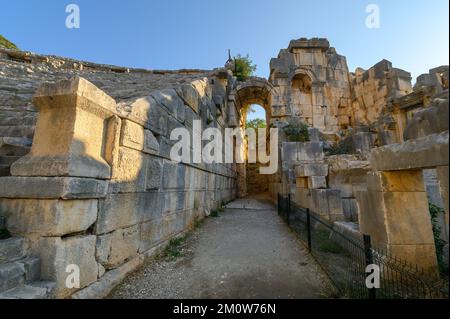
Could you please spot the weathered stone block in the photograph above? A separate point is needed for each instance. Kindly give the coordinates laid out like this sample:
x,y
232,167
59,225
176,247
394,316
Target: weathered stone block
x,y
129,173
125,210
154,173
350,209
327,202
396,181
303,197
426,152
70,133
174,175
57,253
173,201
12,249
190,96
49,217
148,113
108,282
52,187
414,205
302,182
397,214
115,248
154,232
313,169
11,275
136,137
316,182
310,151
171,101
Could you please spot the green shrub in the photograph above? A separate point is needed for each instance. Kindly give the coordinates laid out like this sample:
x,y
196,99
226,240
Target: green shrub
x,y
435,211
7,44
243,67
326,244
339,148
173,249
297,132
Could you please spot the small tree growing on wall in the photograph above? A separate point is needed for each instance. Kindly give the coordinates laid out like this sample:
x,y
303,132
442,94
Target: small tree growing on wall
x,y
243,67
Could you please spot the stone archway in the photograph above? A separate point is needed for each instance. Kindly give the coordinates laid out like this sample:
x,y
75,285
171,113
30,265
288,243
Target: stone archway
x,y
253,91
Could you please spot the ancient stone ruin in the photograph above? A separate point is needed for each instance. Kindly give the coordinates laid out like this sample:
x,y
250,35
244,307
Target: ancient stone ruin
x,y
87,178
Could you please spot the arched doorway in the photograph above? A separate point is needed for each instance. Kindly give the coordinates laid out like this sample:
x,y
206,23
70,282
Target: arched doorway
x,y
256,93
257,183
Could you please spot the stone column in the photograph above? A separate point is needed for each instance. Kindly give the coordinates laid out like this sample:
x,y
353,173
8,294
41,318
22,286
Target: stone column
x,y
395,213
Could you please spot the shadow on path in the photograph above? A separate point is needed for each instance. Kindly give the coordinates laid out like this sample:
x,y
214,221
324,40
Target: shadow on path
x,y
247,252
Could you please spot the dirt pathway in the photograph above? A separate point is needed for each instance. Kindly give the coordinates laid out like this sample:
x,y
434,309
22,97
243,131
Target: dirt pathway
x,y
247,252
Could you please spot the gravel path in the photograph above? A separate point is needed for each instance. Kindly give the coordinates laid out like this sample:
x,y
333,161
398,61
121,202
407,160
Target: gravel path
x,y
247,252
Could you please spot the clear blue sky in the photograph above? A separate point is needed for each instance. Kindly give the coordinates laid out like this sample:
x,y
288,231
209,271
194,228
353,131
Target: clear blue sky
x,y
173,34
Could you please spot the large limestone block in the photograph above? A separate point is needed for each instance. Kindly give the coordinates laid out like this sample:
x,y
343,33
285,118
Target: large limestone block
x,y
429,121
136,137
115,248
316,182
425,152
174,175
296,152
102,288
118,211
52,187
154,173
70,134
372,217
301,182
129,172
172,102
396,181
312,169
407,218
57,253
190,96
49,218
303,197
351,209
394,211
155,232
310,151
148,113
327,203
175,201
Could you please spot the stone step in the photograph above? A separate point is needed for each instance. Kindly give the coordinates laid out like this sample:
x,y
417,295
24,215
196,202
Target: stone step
x,y
5,170
11,275
8,160
14,146
12,249
34,290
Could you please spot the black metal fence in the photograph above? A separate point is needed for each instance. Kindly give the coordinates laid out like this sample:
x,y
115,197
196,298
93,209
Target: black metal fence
x,y
345,256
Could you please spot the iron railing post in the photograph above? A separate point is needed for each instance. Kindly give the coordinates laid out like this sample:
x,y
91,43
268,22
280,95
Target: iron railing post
x,y
278,203
308,229
369,261
288,210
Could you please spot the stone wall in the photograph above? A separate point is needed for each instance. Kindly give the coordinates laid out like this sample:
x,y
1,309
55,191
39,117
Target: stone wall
x,y
372,89
98,188
313,82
